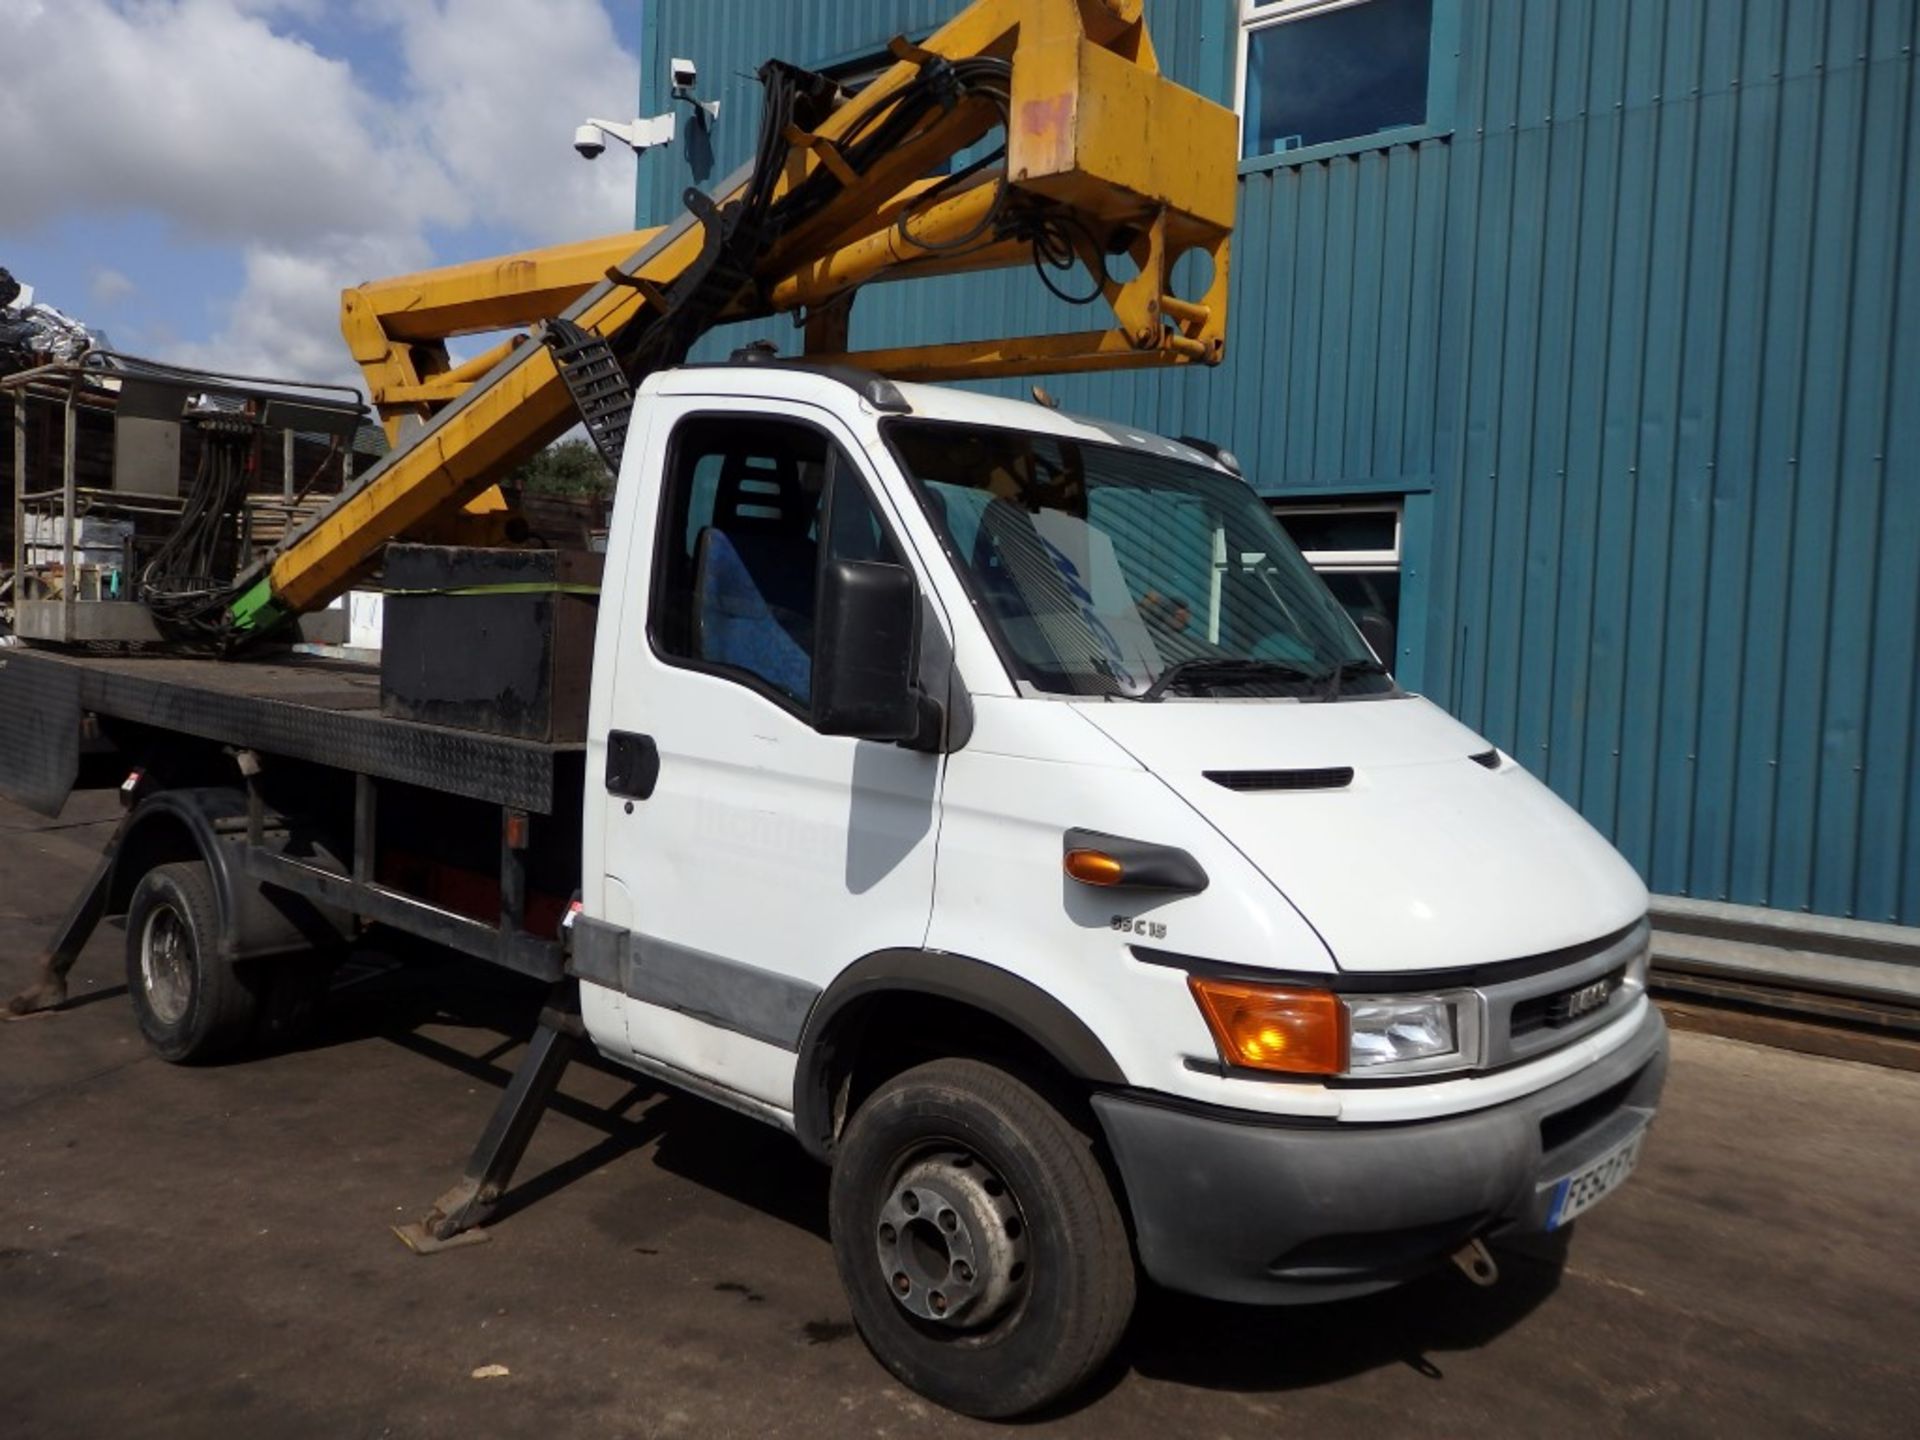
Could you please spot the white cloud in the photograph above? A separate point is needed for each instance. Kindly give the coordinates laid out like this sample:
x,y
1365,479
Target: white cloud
x,y
285,320
109,286
201,113
304,9
496,89
236,132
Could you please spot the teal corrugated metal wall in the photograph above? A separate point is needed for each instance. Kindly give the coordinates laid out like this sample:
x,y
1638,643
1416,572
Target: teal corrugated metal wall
x,y
1676,533
1639,338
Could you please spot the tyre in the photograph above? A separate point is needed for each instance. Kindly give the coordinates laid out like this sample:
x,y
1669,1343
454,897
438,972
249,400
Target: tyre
x,y
191,1005
980,1244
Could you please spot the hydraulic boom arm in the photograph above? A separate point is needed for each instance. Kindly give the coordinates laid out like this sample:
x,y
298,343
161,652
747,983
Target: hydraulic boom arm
x,y
1102,157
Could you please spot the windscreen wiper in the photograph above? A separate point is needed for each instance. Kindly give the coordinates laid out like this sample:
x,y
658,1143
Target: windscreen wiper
x,y
1346,668
1222,669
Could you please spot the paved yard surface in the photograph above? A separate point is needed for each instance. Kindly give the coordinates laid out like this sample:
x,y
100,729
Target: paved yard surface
x,y
205,1252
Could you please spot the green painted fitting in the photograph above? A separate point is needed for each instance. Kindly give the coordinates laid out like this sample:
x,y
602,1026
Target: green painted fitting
x,y
257,611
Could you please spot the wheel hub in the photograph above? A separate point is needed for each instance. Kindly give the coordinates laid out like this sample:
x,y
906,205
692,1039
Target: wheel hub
x,y
951,1241
166,965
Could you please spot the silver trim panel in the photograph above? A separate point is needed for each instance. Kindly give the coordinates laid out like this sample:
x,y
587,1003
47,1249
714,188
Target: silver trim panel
x,y
1498,1002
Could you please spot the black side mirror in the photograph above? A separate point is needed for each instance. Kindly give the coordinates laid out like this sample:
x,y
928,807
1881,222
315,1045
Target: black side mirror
x,y
1379,633
866,624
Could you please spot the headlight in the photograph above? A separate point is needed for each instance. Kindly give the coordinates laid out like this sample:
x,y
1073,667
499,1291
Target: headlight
x,y
1410,1033
1638,966
1301,1031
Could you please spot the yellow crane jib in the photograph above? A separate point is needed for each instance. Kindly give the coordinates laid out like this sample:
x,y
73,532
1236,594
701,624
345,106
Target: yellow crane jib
x,y
1102,157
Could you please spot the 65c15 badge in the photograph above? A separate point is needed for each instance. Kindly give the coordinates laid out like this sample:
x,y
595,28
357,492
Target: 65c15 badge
x,y
1150,929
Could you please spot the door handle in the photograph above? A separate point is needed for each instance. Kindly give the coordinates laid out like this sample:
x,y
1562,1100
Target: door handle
x,y
633,764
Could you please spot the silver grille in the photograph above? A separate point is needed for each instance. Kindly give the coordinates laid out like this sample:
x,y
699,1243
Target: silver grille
x,y
1526,1018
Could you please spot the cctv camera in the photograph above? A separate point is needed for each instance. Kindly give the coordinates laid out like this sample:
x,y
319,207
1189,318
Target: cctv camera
x,y
588,140
684,74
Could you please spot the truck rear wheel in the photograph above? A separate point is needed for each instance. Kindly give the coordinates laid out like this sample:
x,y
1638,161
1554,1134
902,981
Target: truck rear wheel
x,y
978,1239
191,1005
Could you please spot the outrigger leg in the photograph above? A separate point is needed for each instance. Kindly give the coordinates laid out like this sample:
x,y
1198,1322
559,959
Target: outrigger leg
x,y
457,1215
49,990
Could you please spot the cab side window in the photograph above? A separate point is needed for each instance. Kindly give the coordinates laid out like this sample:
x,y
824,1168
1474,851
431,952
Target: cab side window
x,y
746,503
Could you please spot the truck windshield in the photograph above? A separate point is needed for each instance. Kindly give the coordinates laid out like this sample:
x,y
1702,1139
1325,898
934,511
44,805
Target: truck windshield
x,y
1111,571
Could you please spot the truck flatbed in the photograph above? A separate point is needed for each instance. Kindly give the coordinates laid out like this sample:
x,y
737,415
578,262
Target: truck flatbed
x,y
301,707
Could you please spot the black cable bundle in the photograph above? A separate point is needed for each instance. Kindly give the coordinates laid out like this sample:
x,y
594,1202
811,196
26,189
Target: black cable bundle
x,y
187,583
940,85
740,232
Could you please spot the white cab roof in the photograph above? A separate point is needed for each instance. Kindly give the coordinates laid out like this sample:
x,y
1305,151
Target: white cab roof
x,y
928,402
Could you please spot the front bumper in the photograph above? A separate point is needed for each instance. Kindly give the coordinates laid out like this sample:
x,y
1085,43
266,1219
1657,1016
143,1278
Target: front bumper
x,y
1250,1210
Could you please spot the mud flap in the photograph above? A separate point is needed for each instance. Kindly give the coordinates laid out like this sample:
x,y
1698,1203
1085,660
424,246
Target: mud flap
x,y
40,717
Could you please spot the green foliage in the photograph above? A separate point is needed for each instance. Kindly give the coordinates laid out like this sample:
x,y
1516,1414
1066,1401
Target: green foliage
x,y
568,468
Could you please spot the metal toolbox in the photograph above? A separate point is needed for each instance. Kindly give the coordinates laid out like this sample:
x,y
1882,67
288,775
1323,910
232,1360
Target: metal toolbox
x,y
499,641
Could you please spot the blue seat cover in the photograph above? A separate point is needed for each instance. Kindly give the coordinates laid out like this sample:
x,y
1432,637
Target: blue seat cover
x,y
754,597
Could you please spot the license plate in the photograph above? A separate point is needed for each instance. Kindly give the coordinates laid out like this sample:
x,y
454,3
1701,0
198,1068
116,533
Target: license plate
x,y
1588,1186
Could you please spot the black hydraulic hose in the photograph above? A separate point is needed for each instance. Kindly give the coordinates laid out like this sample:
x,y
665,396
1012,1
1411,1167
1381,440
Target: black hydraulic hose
x,y
186,584
1053,249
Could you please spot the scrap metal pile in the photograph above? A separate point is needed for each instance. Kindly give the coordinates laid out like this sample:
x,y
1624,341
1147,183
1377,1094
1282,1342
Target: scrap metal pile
x,y
33,334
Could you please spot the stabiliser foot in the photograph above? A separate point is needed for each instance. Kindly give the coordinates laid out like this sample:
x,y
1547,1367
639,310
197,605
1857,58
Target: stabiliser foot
x,y
49,991
456,1217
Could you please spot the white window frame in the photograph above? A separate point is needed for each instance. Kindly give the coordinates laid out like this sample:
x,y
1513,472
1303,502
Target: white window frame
x,y
1264,15
1360,562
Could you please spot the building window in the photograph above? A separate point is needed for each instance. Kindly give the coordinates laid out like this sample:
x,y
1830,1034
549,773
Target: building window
x,y
853,73
1319,72
1355,547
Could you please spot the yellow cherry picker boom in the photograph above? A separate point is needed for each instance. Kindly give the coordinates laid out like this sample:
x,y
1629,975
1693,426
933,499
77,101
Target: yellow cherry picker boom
x,y
1100,156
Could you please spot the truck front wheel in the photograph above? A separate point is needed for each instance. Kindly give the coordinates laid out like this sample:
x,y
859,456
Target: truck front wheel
x,y
981,1247
191,1005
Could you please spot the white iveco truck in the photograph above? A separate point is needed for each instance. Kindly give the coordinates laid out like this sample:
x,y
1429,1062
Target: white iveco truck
x,y
993,799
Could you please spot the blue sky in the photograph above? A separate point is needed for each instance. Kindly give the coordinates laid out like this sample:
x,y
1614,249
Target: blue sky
x,y
245,159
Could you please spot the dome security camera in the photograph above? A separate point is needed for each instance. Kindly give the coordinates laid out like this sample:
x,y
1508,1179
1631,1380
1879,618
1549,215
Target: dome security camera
x,y
593,136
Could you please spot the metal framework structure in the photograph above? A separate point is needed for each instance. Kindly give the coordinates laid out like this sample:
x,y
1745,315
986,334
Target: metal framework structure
x,y
1103,157
56,583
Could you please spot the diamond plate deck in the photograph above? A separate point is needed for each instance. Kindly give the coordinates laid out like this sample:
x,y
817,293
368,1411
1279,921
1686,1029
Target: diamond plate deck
x,y
322,711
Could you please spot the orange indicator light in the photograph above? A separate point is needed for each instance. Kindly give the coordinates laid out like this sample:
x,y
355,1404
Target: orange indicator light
x,y
1094,867
1271,1027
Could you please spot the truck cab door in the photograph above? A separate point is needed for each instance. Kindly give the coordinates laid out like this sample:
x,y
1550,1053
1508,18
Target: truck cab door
x,y
757,857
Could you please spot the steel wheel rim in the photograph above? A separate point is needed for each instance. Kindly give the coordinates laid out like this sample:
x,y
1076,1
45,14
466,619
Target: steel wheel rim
x,y
166,964
951,1241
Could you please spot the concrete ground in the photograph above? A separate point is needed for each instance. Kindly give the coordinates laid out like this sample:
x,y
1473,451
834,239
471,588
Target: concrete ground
x,y
205,1251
